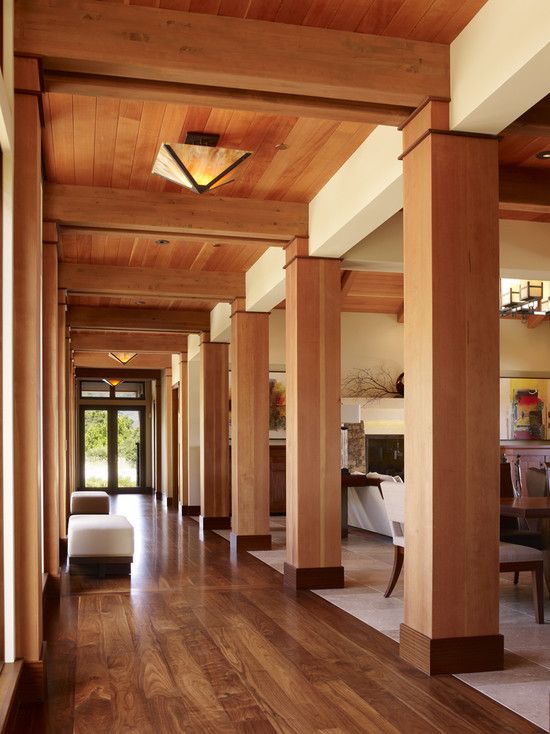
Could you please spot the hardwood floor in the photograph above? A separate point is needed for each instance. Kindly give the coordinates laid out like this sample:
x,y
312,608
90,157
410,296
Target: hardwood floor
x,y
198,642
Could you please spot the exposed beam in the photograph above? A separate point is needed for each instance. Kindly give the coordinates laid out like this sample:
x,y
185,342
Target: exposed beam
x,y
182,239
401,314
137,319
128,374
175,46
345,281
524,190
161,283
102,359
295,105
535,122
89,206
141,342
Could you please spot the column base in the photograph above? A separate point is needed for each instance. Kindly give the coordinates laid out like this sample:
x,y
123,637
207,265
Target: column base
x,y
214,523
451,654
250,542
191,510
314,578
32,682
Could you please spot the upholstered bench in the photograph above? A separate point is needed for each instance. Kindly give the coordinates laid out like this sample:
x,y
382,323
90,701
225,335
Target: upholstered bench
x,y
100,545
89,503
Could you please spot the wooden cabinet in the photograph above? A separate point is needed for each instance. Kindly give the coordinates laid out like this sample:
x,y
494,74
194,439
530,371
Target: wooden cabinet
x,y
277,479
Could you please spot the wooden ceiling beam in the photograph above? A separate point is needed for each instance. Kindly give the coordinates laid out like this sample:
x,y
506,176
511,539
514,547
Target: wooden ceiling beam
x,y
534,123
137,319
149,211
183,239
117,280
140,342
524,190
180,47
102,359
293,105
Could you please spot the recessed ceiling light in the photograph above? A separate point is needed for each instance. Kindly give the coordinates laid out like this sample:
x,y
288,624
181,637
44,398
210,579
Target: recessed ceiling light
x,y
281,146
544,154
162,242
140,303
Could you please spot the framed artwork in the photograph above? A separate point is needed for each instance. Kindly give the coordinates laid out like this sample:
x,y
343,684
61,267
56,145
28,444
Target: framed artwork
x,y
524,408
277,405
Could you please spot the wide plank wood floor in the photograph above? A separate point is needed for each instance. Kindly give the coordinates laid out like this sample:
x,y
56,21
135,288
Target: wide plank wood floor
x,y
198,641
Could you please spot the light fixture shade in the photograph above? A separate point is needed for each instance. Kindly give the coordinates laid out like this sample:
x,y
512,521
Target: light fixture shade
x,y
123,357
113,381
197,167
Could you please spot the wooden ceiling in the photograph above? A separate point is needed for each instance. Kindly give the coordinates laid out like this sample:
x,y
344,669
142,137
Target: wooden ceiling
x,y
110,142
111,249
422,20
181,304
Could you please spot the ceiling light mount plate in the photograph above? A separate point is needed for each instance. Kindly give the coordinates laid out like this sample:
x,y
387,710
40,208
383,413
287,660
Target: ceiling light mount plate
x,y
208,139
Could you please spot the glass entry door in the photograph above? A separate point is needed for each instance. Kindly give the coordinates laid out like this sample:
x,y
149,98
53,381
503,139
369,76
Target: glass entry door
x,y
112,448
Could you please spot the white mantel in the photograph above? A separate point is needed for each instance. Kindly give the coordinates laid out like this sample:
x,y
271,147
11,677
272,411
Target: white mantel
x,y
381,417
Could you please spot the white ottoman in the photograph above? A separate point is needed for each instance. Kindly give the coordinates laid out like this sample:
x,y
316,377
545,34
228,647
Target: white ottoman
x,y
100,544
89,503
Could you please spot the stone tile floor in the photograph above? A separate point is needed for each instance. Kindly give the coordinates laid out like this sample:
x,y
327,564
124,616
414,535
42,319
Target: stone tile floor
x,y
524,684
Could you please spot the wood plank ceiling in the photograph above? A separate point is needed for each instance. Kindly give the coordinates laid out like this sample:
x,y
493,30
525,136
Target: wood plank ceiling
x,y
113,143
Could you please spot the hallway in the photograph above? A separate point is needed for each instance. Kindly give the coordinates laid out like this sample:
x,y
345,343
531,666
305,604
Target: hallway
x,y
195,641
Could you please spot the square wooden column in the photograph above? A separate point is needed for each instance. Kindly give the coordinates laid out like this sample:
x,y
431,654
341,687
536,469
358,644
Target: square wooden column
x,y
313,493
50,454
249,429
451,258
27,388
192,506
183,496
214,435
62,412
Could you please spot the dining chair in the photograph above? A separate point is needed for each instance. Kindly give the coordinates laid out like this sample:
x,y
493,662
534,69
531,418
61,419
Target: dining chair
x,y
510,530
513,557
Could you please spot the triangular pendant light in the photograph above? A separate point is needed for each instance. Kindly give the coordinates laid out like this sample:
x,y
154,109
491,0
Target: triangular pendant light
x,y
123,357
197,164
113,381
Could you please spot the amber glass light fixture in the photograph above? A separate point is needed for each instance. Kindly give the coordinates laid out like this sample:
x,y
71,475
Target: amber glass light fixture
x,y
113,381
198,164
123,357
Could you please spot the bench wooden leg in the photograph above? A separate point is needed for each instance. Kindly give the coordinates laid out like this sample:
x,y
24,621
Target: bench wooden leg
x,y
398,556
538,592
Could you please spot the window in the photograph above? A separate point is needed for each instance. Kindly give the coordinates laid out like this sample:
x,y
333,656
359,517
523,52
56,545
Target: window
x,y
130,391
96,389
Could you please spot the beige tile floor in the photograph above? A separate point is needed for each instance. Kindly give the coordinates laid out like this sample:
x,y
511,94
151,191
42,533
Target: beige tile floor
x,y
523,685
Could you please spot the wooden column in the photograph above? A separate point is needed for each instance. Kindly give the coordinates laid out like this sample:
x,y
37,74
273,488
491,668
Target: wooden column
x,y
249,429
72,480
166,437
50,454
313,420
183,499
451,249
61,411
214,438
27,389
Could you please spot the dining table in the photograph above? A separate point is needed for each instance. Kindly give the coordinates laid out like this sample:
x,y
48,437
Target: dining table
x,y
531,508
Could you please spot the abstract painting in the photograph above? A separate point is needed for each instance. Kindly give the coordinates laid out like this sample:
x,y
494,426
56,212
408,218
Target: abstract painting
x,y
524,408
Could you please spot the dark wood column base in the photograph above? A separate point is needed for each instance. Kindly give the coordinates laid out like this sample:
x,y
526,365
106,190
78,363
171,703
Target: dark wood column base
x,y
32,682
250,542
191,510
214,523
313,578
451,654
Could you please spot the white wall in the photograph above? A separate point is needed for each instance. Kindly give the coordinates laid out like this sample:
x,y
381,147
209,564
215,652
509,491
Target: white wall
x,y
370,339
523,349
